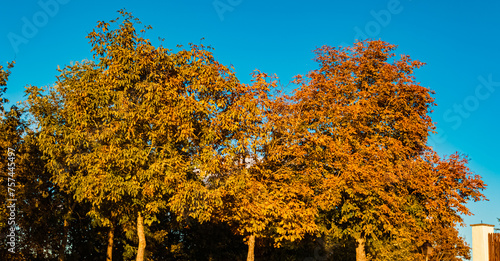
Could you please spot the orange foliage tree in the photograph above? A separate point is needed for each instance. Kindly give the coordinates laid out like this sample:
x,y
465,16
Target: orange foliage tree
x,y
361,127
263,198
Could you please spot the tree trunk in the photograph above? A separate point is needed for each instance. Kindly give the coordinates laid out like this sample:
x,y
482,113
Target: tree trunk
x,y
111,236
251,247
142,239
62,251
64,243
360,250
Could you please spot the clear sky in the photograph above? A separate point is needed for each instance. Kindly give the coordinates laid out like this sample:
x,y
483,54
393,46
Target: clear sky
x,y
458,40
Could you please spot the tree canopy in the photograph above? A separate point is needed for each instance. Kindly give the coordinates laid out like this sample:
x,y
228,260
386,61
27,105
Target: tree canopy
x,y
150,153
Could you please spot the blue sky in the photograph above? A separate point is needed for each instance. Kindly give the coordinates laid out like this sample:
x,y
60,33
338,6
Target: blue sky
x,y
458,40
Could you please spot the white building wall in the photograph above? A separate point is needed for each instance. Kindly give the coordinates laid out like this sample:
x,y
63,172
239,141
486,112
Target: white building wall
x,y
480,241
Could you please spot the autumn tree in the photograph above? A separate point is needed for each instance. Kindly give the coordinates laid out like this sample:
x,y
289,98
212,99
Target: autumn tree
x,y
362,127
12,129
69,236
442,187
262,198
10,137
140,128
39,201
